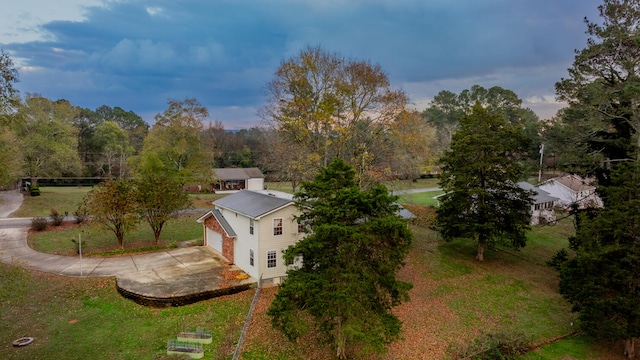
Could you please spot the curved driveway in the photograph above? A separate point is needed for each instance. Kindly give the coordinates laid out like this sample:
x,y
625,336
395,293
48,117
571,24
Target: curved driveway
x,y
145,267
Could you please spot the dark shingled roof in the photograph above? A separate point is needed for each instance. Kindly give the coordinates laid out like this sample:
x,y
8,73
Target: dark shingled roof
x,y
251,204
223,222
238,173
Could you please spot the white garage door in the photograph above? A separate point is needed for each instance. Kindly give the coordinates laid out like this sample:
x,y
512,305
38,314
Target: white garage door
x,y
214,239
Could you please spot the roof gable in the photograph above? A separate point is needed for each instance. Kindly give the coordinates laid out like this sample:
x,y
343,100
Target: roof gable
x,y
252,204
573,182
221,220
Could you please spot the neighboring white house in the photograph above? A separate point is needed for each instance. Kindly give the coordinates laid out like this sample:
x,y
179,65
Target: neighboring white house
x,y
251,229
542,206
572,189
235,179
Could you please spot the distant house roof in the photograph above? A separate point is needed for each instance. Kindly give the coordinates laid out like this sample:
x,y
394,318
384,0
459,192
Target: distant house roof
x,y
238,173
540,195
252,204
573,182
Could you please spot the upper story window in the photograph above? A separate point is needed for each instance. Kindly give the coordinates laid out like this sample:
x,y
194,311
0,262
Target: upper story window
x,y
251,226
277,226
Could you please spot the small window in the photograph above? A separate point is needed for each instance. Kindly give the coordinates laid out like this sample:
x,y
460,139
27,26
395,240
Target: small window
x,y
277,226
251,257
271,259
301,227
251,227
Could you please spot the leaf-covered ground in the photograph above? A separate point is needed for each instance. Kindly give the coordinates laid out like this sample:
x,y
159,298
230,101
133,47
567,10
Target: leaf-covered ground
x,y
454,299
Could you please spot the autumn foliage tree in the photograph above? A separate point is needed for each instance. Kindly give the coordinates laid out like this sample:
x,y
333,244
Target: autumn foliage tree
x,y
112,204
323,103
158,199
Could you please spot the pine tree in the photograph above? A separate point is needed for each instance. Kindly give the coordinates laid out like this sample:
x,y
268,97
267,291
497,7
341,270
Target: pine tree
x,y
345,286
480,179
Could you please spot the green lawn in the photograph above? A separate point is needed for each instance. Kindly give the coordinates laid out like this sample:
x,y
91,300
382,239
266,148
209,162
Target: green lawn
x,y
72,318
58,198
421,198
97,239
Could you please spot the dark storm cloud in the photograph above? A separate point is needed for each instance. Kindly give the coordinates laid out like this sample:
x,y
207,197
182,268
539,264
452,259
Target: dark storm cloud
x,y
138,54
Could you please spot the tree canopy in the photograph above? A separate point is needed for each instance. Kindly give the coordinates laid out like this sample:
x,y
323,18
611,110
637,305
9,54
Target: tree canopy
x,y
482,199
446,109
345,285
602,281
159,198
175,143
113,205
49,138
603,92
322,103
603,86
8,79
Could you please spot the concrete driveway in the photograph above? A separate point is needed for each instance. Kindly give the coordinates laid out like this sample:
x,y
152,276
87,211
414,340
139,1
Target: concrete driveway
x,y
169,277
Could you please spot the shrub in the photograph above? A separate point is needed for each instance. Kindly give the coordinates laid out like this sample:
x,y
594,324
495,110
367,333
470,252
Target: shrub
x,y
56,217
81,215
558,259
425,215
500,346
39,224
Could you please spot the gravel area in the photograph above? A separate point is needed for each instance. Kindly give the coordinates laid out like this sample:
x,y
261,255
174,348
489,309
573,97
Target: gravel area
x,y
10,201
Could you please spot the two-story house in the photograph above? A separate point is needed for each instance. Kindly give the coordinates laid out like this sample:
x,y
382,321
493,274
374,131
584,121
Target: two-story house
x,y
251,229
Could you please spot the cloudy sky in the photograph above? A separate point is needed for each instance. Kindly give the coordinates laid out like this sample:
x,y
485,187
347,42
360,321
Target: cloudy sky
x,y
137,54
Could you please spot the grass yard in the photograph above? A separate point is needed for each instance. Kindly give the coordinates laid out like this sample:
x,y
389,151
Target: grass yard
x,y
69,198
421,198
391,185
72,318
97,240
59,198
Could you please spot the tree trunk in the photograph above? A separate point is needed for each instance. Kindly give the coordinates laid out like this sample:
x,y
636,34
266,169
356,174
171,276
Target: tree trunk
x,y
341,342
480,255
630,348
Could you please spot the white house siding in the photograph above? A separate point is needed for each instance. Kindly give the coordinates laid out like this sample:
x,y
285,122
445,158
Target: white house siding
x,y
279,243
255,184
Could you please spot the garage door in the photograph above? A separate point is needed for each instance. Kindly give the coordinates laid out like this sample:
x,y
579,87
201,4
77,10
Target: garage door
x,y
214,239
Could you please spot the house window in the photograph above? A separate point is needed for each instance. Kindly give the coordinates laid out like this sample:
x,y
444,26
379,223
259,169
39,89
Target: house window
x,y
251,226
271,259
277,226
251,257
302,228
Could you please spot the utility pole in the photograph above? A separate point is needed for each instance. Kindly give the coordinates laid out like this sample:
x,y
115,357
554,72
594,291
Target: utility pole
x,y
540,170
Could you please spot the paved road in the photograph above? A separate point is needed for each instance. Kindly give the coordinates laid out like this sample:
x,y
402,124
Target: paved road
x,y
413,191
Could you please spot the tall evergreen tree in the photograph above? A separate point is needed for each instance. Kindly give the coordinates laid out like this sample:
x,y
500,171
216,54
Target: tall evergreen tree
x,y
603,281
479,176
345,285
603,87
